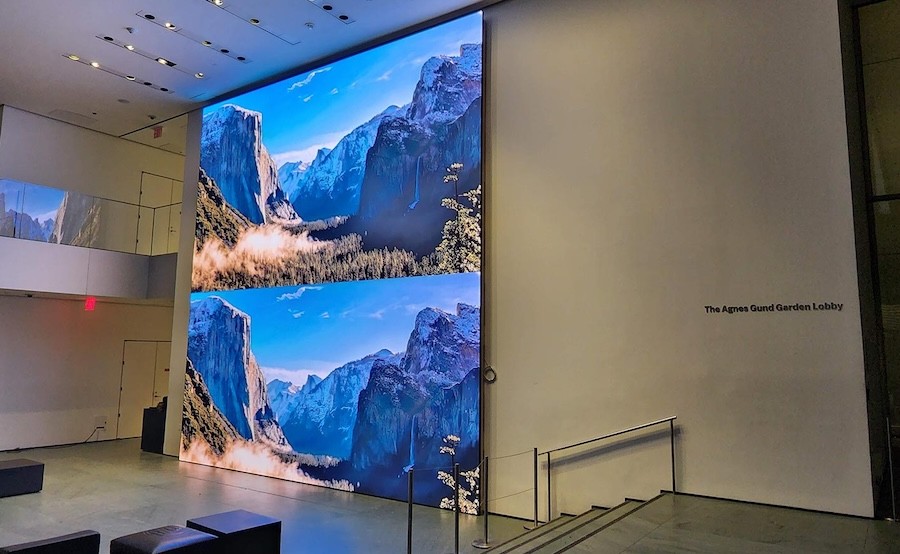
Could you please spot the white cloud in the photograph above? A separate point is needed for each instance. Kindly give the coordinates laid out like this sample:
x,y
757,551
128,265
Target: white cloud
x,y
334,90
325,315
386,76
296,376
297,315
308,98
377,315
308,154
296,294
308,79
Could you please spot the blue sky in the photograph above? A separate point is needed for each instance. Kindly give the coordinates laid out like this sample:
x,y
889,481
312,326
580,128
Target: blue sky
x,y
39,202
318,108
295,331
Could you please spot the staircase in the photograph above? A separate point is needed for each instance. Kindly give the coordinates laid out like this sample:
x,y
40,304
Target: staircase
x,y
568,532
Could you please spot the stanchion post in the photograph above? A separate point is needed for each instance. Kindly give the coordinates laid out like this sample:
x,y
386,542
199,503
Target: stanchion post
x,y
485,543
456,529
536,488
549,501
409,517
672,449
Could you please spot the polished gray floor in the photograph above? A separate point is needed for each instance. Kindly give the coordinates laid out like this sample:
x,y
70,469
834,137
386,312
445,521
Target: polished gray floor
x,y
688,524
116,489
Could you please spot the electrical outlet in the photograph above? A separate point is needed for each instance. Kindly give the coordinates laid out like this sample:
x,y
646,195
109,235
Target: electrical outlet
x,y
100,422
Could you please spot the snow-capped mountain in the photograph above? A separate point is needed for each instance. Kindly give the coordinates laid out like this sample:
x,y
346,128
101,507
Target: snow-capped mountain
x,y
233,155
284,395
447,86
219,348
408,407
406,165
290,175
330,186
321,418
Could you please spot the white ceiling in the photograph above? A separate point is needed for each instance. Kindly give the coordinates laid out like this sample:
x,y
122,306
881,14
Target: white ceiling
x,y
35,36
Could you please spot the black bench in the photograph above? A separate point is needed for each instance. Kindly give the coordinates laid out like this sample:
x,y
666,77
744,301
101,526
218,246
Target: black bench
x,y
20,477
82,542
171,538
241,532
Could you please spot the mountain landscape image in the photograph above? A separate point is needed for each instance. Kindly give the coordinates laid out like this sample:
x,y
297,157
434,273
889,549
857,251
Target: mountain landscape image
x,y
380,377
352,171
334,331
35,212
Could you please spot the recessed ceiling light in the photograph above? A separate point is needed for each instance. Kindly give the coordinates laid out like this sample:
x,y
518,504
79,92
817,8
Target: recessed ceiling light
x,y
110,39
149,16
123,100
130,77
148,83
73,57
310,25
199,75
206,43
163,61
218,2
254,21
241,59
164,89
95,64
343,17
327,7
129,47
224,50
170,26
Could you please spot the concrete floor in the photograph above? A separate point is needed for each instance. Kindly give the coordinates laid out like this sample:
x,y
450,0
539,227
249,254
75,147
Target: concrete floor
x,y
114,488
684,524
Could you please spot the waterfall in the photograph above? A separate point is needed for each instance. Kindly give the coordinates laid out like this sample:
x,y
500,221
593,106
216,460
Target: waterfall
x,y
415,202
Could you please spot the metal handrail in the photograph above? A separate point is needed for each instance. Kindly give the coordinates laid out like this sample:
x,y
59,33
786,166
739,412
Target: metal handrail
x,y
670,420
611,435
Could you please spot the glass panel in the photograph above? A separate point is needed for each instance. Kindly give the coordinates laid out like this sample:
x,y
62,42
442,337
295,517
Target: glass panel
x,y
40,210
882,85
117,229
12,194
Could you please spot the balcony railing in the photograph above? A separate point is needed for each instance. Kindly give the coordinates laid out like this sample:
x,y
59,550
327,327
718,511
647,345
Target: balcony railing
x,y
47,214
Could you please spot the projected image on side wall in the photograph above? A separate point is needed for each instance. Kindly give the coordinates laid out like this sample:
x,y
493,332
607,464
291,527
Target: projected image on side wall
x,y
339,218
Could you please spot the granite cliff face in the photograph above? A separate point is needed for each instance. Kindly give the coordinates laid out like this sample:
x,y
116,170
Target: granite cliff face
x,y
408,160
233,155
320,417
77,220
331,185
407,408
201,418
219,348
215,217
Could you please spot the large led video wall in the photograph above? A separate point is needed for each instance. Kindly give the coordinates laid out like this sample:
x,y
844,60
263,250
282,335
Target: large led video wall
x,y
334,332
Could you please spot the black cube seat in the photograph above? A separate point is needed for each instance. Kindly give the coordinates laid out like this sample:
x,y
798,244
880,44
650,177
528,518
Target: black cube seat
x,y
171,538
242,532
82,542
20,476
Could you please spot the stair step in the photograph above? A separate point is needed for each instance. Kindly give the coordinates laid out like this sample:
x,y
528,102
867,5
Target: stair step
x,y
543,542
534,534
595,526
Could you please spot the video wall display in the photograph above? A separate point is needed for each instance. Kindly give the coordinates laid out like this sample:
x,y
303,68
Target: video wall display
x,y
334,333
46,214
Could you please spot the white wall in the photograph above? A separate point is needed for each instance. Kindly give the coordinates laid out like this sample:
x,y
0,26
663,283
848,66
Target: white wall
x,y
645,159
61,366
182,307
43,151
